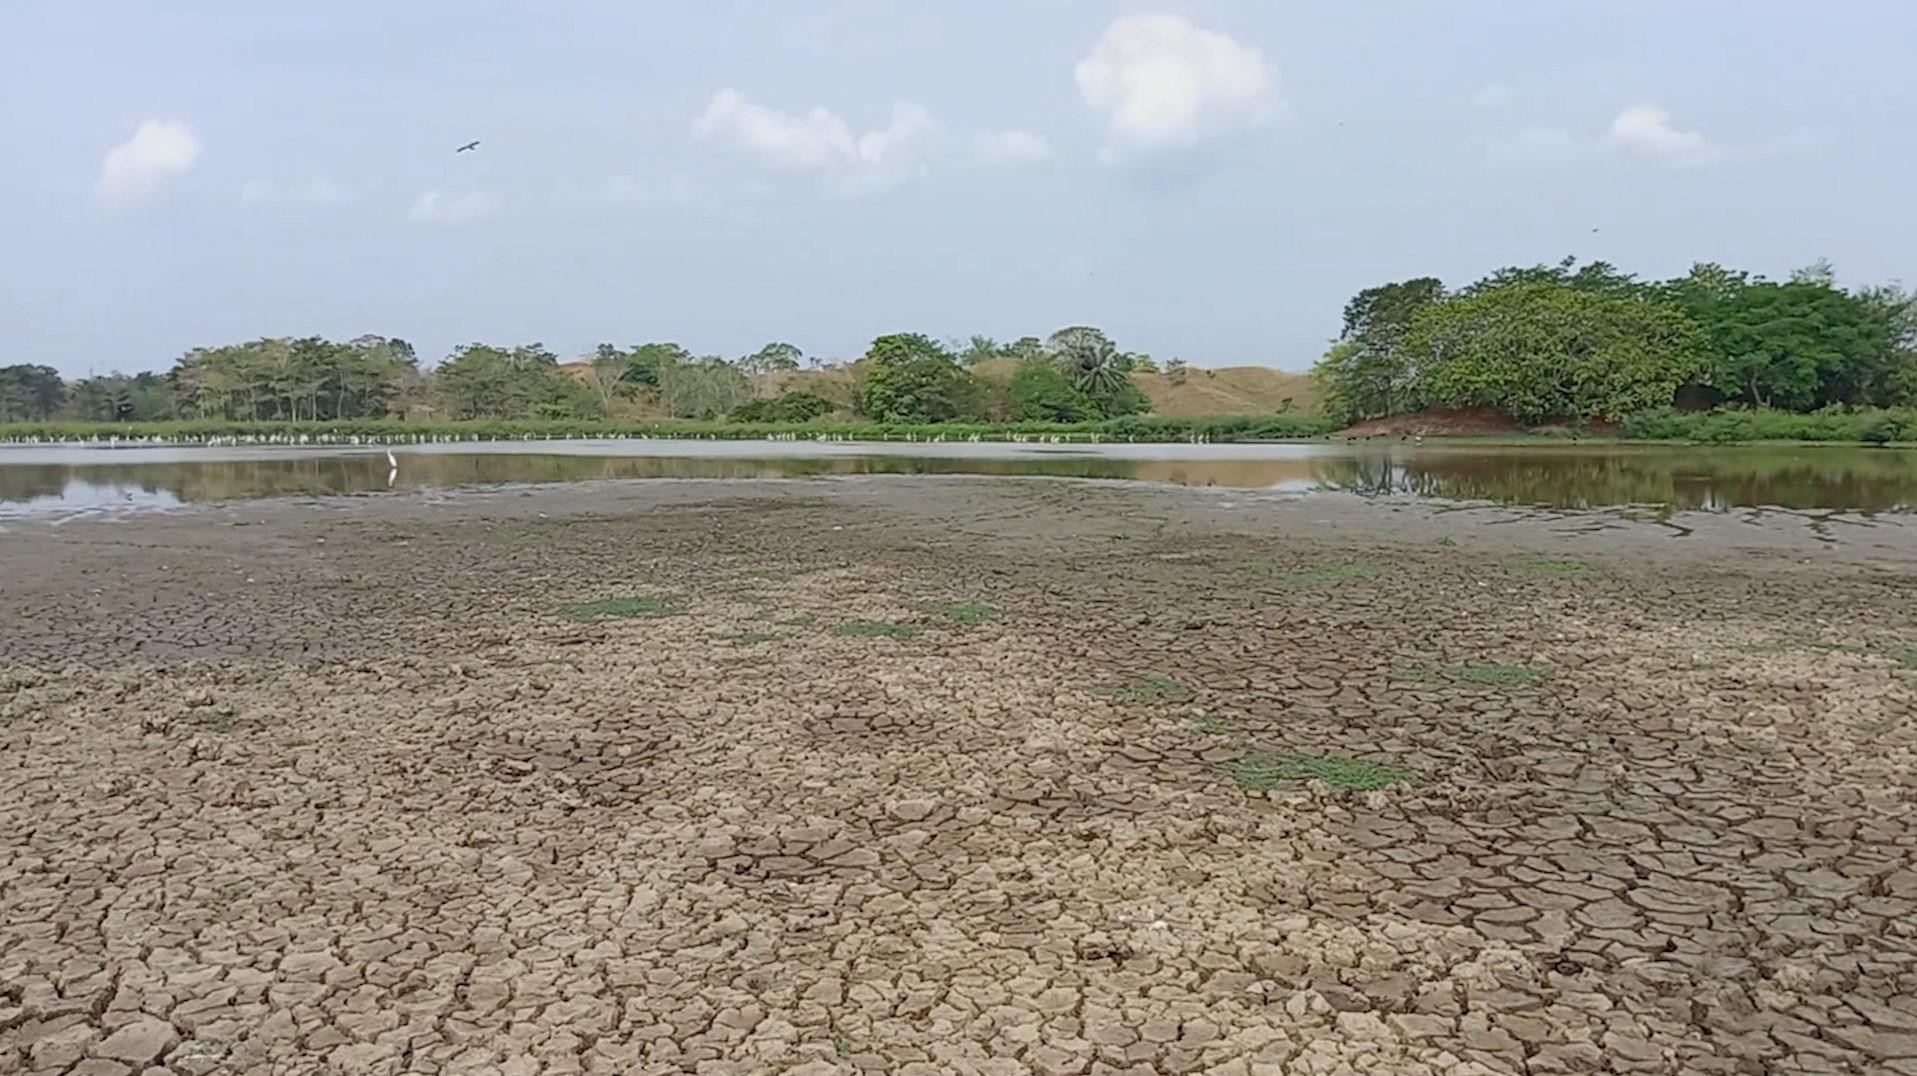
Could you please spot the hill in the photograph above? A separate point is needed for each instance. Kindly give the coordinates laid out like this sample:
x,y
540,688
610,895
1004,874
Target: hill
x,y
1194,393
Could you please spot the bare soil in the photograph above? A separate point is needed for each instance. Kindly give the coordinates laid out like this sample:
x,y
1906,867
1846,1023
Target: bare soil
x,y
368,785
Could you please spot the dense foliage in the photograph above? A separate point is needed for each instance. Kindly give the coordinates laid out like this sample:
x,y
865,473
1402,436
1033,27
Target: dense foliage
x,y
1143,428
1075,375
1581,343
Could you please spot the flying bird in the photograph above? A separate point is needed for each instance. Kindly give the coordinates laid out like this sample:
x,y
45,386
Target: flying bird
x,y
474,144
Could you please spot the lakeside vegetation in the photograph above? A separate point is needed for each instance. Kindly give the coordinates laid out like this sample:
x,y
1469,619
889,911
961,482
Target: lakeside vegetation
x,y
1137,428
1592,346
1579,351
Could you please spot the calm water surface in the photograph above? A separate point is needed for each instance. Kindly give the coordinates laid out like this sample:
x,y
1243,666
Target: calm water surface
x,y
65,481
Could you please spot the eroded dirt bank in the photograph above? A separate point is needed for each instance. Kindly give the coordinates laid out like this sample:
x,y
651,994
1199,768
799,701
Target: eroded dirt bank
x,y
920,776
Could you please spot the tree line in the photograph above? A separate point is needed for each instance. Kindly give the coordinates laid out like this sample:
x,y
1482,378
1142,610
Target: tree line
x,y
1571,343
1074,375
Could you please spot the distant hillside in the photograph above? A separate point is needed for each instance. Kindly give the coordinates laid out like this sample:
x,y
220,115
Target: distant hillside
x,y
1199,393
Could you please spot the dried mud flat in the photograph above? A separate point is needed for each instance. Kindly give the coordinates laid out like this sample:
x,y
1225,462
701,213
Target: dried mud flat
x,y
910,776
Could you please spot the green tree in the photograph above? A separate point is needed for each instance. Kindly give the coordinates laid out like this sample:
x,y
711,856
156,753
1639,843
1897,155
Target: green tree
x,y
1891,381
774,356
1097,370
1795,345
1541,351
1378,316
482,381
1026,347
646,362
785,407
30,393
1041,393
909,377
980,349
704,388
607,367
1367,373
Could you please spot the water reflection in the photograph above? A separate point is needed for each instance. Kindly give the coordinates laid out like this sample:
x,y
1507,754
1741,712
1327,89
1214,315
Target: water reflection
x,y
1868,480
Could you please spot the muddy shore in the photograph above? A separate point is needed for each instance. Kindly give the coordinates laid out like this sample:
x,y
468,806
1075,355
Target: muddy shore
x,y
920,776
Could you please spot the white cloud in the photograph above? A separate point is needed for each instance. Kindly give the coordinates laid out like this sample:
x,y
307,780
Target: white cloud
x,y
1491,95
821,143
1009,149
1162,84
136,169
317,193
438,207
1642,132
1646,131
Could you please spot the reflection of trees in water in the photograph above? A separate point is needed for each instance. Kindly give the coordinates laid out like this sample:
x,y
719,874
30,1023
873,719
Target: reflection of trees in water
x,y
1868,480
27,481
1860,480
210,480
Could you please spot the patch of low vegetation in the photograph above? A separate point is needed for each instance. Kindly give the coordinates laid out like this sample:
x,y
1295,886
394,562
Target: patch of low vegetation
x,y
1907,657
1207,724
749,599
528,539
1557,567
626,607
1151,689
876,629
1260,770
1347,572
967,614
800,620
1485,675
215,719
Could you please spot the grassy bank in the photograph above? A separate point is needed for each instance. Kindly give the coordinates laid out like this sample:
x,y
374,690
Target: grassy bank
x,y
1139,428
1869,426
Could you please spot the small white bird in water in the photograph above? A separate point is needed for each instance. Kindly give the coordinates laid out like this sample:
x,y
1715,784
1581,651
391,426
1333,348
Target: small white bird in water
x,y
391,461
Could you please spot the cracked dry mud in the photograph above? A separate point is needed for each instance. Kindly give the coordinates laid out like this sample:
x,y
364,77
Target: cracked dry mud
x,y
336,789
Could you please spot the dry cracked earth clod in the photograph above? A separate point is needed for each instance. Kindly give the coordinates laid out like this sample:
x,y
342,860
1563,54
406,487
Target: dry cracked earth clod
x,y
380,809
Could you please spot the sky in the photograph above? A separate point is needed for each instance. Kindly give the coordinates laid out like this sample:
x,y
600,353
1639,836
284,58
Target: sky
x,y
1210,180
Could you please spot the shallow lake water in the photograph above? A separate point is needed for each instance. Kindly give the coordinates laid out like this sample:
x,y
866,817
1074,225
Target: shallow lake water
x,y
72,480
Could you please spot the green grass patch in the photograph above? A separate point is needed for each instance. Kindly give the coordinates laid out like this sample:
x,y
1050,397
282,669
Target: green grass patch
x,y
1557,567
1261,771
800,620
876,629
1151,689
1349,572
748,638
750,599
218,719
627,607
1206,724
967,614
1907,657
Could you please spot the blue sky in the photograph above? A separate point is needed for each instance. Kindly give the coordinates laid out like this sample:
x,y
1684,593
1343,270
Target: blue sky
x,y
1210,179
